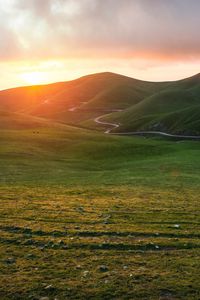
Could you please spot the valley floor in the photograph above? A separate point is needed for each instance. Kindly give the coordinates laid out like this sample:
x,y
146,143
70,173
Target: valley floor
x,y
94,216
100,243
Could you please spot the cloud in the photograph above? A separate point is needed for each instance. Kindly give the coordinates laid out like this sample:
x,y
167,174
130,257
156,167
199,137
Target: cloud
x,y
156,29
8,44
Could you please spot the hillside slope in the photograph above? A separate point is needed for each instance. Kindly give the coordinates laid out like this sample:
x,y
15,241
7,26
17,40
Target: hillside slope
x,y
97,92
174,109
167,106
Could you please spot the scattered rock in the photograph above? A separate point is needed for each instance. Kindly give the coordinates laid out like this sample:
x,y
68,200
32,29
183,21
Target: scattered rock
x,y
176,226
60,242
41,248
10,260
55,246
30,256
103,268
65,247
85,273
78,267
49,287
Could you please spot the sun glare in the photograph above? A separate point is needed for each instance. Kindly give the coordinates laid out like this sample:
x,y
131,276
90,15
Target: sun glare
x,y
34,77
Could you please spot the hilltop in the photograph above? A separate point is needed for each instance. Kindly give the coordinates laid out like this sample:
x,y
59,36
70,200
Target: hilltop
x,y
134,104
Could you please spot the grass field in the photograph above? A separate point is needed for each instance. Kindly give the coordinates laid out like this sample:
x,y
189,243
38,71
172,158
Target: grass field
x,y
92,216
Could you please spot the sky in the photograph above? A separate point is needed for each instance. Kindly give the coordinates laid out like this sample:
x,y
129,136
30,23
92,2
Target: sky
x,y
45,41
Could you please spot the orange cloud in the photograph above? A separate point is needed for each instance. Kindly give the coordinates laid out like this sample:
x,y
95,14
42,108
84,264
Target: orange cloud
x,y
141,38
100,28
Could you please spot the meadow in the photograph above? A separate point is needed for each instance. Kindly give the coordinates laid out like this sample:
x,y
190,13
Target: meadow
x,y
86,215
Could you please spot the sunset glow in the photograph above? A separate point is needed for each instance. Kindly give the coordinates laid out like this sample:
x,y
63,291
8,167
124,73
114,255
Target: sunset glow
x,y
33,77
59,40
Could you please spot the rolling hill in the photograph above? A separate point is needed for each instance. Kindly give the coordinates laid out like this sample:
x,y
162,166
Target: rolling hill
x,y
175,109
152,111
97,92
134,104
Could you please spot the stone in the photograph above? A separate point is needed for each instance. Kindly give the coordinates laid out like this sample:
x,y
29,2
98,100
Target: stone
x,y
125,267
10,260
60,242
85,273
49,287
103,268
78,267
176,226
30,256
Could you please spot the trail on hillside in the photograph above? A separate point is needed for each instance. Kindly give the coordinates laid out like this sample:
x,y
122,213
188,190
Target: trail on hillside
x,y
142,133
112,125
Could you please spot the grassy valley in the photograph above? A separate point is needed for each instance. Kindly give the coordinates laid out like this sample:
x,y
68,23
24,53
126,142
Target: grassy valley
x,y
88,215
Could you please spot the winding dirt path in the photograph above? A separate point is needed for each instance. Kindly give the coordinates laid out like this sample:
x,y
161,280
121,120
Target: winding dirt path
x,y
112,125
145,133
142,133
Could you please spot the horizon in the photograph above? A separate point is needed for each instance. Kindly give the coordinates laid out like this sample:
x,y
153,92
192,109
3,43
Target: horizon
x,y
61,40
76,78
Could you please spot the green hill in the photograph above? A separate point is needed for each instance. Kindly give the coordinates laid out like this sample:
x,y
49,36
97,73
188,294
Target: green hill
x,y
16,121
92,95
97,92
122,92
142,105
174,109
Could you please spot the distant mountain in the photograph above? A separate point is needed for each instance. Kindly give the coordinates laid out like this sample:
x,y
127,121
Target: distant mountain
x,y
168,106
